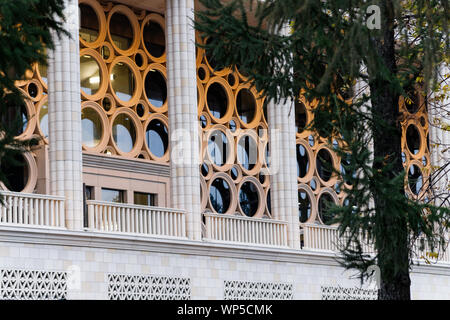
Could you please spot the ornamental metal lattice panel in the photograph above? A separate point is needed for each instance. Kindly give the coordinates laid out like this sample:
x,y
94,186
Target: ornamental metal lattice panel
x,y
32,285
247,290
141,287
340,293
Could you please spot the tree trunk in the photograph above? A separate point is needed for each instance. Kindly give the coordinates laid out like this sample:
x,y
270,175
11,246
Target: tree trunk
x,y
392,232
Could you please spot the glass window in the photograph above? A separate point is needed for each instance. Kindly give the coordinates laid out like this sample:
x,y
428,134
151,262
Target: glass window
x,y
92,127
122,81
113,195
246,105
124,132
145,199
154,39
89,25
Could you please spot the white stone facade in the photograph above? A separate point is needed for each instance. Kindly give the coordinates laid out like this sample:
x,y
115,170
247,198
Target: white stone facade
x,y
103,261
90,259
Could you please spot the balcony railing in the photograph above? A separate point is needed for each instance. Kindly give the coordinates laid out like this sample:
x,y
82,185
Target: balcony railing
x,y
229,228
136,219
32,209
326,238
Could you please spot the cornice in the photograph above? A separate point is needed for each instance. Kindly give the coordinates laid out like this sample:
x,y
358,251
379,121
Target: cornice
x,y
90,239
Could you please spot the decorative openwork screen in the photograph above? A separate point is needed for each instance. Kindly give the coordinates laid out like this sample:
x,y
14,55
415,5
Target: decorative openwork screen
x,y
247,290
123,81
142,287
339,293
32,285
234,141
317,186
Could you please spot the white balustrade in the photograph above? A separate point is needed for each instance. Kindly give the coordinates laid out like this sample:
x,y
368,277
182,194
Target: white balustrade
x,y
231,228
129,218
32,209
318,237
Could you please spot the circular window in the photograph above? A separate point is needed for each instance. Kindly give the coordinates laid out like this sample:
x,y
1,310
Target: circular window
x,y
218,147
302,161
14,118
92,127
157,138
43,119
90,77
300,116
246,105
154,39
304,206
16,173
124,132
415,179
121,31
105,52
324,164
155,88
89,24
247,152
220,195
123,81
217,100
203,121
33,90
326,201
268,201
249,198
205,170
413,139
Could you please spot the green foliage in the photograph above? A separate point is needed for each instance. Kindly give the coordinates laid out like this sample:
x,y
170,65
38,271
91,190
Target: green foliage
x,y
327,48
25,32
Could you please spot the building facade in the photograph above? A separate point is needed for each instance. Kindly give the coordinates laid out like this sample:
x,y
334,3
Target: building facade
x,y
159,177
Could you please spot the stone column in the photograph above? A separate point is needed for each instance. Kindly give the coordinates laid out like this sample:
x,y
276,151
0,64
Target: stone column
x,y
183,118
440,144
64,113
283,164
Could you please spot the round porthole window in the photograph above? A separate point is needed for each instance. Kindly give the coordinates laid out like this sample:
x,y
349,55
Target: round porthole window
x,y
16,173
324,163
92,127
89,24
326,201
157,138
155,88
217,100
124,132
90,76
220,195
249,198
247,152
154,39
245,105
304,206
415,179
218,148
302,161
123,81
413,139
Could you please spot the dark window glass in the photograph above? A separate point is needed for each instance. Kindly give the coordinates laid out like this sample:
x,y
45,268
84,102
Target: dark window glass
x,y
145,199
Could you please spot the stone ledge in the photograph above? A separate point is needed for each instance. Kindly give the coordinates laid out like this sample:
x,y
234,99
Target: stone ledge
x,y
104,240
